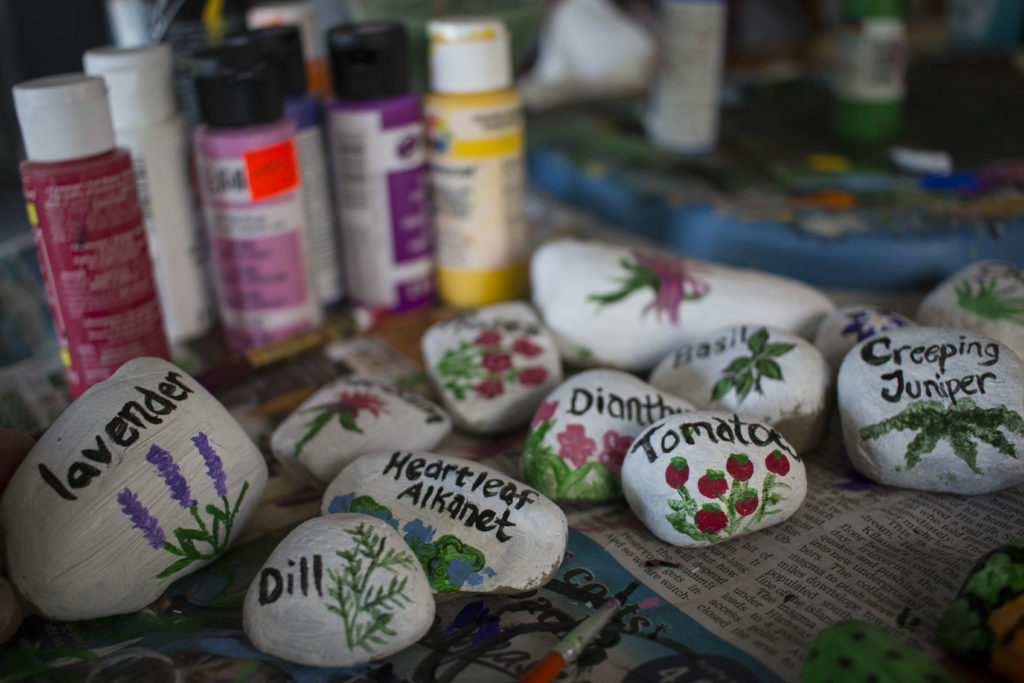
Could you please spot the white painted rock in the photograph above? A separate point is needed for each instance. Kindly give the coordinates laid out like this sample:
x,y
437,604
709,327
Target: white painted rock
x,y
766,373
472,527
628,308
339,590
936,409
492,366
581,433
144,479
708,476
986,297
352,416
847,326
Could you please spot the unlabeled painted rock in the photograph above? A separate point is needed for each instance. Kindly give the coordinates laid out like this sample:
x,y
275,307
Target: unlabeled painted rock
x,y
581,433
338,591
628,308
707,476
845,327
936,409
142,480
352,416
986,297
492,366
472,527
769,374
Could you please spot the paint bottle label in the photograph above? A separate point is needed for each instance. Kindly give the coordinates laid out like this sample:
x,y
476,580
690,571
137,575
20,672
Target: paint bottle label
x,y
254,218
871,59
477,183
325,268
381,190
89,235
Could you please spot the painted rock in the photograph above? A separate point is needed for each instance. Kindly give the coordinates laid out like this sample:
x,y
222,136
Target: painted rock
x,y
845,327
352,416
986,297
708,476
985,624
936,409
492,366
471,527
629,308
764,372
581,433
142,480
860,651
338,591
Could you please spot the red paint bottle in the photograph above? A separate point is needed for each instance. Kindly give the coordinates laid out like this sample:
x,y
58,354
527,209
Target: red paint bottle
x,y
87,223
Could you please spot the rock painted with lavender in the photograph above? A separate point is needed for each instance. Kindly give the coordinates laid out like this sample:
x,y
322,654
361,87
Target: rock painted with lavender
x,y
352,416
492,366
986,298
471,527
704,477
936,409
338,591
769,374
581,432
628,308
847,326
144,479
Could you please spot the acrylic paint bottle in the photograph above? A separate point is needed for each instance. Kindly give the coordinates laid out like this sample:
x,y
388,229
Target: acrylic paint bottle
x,y
303,15
305,108
146,122
378,158
476,141
682,112
87,223
871,61
250,184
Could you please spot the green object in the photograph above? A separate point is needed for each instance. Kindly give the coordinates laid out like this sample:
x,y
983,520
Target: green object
x,y
861,651
871,60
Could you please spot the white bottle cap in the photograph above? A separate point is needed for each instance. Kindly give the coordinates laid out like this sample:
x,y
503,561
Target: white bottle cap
x,y
139,82
469,54
64,117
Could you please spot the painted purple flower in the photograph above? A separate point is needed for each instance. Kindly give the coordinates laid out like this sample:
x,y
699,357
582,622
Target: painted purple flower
x,y
214,466
169,472
870,321
141,519
670,278
574,445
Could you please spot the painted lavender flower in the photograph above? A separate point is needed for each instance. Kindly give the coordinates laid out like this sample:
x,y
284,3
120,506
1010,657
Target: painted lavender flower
x,y
169,472
671,279
141,518
214,466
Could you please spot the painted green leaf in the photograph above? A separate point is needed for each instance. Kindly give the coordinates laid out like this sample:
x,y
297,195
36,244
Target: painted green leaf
x,y
591,481
777,349
769,368
349,422
313,428
744,383
739,364
721,388
175,567
757,340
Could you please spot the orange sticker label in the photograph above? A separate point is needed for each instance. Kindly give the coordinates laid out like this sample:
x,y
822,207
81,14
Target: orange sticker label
x,y
272,170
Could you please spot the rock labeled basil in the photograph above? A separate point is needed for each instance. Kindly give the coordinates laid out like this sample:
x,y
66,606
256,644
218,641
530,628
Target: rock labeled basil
x,y
628,308
349,417
144,479
338,591
986,297
492,366
703,477
471,527
581,432
845,327
764,372
936,409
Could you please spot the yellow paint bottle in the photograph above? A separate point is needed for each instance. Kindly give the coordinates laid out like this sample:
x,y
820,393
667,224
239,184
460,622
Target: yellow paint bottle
x,y
476,172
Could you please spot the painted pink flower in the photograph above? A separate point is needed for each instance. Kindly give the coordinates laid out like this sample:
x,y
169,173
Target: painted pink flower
x,y
575,446
489,388
614,450
524,347
487,338
674,283
544,413
496,361
354,402
533,375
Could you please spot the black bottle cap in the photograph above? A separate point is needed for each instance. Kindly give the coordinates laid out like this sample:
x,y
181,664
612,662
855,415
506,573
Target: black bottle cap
x,y
238,86
283,44
369,61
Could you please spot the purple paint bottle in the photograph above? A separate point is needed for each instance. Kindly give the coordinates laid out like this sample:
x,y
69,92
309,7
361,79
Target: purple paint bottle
x,y
377,152
250,184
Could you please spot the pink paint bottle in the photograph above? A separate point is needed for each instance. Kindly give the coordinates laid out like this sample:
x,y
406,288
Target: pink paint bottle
x,y
251,188
88,227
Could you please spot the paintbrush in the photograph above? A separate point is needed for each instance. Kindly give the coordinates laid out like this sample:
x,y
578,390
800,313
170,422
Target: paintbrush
x,y
570,647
